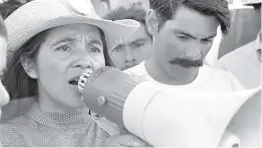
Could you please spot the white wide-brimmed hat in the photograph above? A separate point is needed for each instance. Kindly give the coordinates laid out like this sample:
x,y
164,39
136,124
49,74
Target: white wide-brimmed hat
x,y
40,15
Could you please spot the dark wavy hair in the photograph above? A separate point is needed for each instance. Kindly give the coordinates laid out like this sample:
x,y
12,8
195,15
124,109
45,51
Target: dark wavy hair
x,y
165,9
16,80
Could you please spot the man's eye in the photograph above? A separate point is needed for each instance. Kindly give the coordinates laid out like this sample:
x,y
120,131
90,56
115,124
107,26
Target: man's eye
x,y
117,49
207,40
182,37
63,48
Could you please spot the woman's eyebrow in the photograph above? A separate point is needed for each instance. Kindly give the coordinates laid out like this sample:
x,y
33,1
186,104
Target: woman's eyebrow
x,y
65,40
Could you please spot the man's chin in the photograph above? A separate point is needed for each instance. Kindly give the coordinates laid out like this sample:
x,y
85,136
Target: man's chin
x,y
126,67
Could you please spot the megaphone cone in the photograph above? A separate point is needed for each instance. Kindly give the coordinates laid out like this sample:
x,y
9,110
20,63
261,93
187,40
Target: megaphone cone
x,y
182,117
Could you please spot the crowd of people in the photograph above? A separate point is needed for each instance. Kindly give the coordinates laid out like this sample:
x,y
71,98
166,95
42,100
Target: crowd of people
x,y
42,52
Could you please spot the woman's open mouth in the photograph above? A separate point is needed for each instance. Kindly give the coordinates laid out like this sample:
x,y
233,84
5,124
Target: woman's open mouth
x,y
74,81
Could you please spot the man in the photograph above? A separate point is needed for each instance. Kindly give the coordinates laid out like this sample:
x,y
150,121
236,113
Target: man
x,y
4,97
138,46
183,33
245,64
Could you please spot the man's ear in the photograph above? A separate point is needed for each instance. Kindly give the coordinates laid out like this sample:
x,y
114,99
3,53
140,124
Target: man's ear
x,y
152,22
29,67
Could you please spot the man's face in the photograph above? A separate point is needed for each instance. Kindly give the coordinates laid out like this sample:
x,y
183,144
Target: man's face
x,y
133,51
140,3
4,97
184,41
128,3
67,52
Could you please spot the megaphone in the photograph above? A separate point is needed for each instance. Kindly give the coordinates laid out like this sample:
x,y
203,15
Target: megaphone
x,y
161,115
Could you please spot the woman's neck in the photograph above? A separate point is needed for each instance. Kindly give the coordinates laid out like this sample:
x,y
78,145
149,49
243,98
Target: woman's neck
x,y
47,104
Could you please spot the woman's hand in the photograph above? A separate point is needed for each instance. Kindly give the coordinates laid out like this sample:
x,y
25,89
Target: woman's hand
x,y
127,140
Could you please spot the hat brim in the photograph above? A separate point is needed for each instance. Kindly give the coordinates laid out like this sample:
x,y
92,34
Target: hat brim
x,y
115,31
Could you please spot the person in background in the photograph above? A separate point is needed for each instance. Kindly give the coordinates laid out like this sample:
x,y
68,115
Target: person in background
x,y
8,6
144,4
245,25
245,64
4,97
47,54
101,6
137,47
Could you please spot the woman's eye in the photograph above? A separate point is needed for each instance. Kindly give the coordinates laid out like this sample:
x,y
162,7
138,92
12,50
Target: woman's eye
x,y
95,49
63,48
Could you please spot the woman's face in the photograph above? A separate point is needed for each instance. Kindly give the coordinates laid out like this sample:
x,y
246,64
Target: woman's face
x,y
64,55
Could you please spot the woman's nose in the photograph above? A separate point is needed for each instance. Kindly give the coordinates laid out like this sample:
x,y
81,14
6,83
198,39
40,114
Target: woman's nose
x,y
85,64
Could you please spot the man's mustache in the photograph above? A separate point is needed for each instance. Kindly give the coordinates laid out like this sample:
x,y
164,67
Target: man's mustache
x,y
187,63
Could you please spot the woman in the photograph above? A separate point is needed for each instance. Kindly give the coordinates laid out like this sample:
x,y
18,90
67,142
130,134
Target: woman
x,y
51,44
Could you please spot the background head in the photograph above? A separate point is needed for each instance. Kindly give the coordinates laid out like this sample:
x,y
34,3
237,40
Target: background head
x,y
137,47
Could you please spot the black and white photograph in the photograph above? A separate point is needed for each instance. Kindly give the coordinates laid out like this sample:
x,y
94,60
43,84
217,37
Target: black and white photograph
x,y
130,73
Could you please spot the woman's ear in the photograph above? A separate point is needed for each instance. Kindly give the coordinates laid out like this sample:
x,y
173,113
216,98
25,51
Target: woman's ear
x,y
29,67
152,22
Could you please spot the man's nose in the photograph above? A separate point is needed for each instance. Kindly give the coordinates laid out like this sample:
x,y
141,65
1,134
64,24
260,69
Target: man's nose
x,y
129,56
195,51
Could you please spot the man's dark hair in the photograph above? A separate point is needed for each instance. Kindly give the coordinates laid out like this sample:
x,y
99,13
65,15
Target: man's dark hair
x,y
257,6
165,9
134,13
